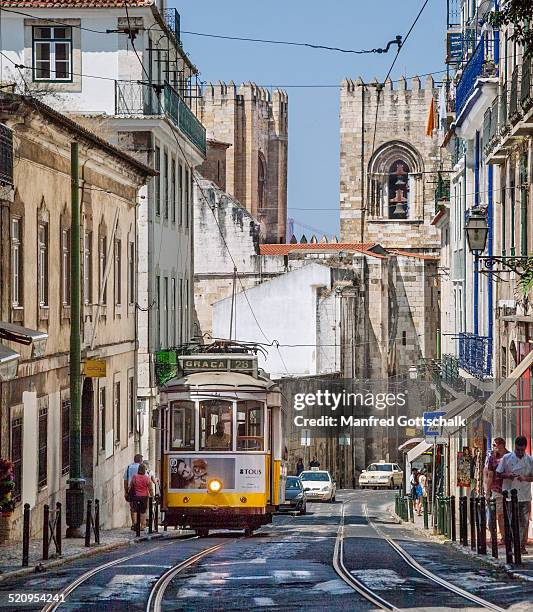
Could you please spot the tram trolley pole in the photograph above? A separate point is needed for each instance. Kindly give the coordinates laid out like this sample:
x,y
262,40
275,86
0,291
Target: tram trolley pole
x,y
515,528
472,524
507,527
493,529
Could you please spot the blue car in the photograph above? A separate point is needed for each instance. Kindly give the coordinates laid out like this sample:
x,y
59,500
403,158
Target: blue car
x,y
295,496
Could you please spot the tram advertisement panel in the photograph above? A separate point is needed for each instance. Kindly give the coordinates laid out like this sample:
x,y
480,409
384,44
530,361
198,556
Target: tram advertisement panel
x,y
241,473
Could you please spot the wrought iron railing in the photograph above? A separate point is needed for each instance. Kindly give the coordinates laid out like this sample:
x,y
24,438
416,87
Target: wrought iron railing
x,y
442,193
172,19
184,118
450,372
6,155
514,109
459,150
487,119
141,99
477,66
493,134
475,354
526,85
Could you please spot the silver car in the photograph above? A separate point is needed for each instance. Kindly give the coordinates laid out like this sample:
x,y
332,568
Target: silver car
x,y
318,485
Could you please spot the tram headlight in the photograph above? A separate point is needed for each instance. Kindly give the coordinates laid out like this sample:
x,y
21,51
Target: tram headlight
x,y
214,485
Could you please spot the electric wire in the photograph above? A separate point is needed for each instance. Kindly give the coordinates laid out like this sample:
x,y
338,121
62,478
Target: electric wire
x,y
199,186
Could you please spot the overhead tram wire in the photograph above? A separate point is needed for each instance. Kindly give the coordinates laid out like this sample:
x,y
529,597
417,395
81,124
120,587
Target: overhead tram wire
x,y
191,170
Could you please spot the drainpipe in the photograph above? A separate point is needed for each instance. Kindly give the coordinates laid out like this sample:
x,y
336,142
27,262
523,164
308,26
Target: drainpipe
x,y
490,219
476,204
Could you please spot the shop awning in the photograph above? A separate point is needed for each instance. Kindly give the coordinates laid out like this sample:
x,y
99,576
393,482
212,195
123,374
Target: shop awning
x,y
24,335
469,411
410,444
510,381
418,450
9,361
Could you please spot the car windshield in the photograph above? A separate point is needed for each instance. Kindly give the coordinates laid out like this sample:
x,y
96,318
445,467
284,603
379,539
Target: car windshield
x,y
380,467
293,483
314,476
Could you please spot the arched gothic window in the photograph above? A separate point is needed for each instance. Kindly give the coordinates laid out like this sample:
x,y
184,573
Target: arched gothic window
x,y
395,188
398,192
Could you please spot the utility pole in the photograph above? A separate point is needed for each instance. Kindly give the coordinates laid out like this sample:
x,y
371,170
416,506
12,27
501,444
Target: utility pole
x,y
74,514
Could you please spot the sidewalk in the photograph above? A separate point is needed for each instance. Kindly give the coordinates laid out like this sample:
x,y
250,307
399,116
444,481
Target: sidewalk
x,y
72,549
523,571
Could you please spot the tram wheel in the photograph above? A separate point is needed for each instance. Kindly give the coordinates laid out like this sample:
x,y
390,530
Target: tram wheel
x,y
202,533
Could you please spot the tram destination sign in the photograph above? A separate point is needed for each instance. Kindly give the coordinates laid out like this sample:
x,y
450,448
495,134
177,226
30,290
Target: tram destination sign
x,y
219,363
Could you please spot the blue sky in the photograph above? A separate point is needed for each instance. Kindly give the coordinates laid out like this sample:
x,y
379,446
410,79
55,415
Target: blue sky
x,y
313,180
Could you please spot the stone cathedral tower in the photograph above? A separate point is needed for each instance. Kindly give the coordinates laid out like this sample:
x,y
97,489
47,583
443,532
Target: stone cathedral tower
x,y
388,178
253,125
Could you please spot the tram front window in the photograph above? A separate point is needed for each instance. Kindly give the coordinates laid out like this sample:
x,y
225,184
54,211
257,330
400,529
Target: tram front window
x,y
182,425
249,426
216,431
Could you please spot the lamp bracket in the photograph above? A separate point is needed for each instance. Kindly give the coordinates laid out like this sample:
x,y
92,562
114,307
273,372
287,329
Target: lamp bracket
x,y
494,264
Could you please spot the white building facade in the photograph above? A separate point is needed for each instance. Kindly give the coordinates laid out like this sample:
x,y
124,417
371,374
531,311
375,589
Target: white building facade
x,y
123,72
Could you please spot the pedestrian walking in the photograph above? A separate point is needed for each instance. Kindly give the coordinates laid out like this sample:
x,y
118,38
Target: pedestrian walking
x,y
413,481
314,463
141,488
421,490
129,473
299,466
153,477
493,482
516,469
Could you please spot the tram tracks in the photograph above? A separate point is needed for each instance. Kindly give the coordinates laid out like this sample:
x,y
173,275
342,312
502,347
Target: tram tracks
x,y
370,594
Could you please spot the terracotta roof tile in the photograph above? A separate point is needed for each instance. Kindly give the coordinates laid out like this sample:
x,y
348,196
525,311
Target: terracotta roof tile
x,y
285,249
49,4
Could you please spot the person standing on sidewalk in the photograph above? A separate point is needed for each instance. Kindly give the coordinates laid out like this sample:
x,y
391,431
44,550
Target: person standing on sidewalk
x,y
493,481
516,469
129,473
299,467
422,490
141,488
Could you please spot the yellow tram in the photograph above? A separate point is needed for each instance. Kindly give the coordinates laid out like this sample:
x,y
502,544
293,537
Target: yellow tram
x,y
222,463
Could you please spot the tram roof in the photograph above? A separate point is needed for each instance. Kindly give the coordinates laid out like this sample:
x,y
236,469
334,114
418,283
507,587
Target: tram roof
x,y
220,380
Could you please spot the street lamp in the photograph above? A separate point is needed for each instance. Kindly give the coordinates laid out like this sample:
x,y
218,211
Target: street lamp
x,y
477,231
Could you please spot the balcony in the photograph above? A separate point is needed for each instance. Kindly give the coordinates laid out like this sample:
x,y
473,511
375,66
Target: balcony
x,y
480,65
141,99
475,354
459,150
442,193
490,126
514,108
6,155
526,86
450,372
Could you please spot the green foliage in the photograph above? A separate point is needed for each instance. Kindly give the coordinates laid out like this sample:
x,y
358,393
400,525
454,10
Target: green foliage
x,y
519,14
525,284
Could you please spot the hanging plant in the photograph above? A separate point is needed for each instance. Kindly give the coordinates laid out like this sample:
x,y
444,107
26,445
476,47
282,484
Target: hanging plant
x,y
525,282
7,486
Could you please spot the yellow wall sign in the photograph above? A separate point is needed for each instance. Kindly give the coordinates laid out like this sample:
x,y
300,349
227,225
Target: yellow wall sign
x,y
95,368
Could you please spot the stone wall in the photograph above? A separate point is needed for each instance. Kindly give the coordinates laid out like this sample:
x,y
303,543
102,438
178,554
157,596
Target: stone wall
x,y
401,128
254,123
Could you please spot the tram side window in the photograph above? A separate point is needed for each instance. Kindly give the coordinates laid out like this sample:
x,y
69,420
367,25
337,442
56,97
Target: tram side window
x,y
216,425
250,426
182,425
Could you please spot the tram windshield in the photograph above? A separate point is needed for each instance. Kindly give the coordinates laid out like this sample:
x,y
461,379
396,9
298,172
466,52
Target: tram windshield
x,y
216,425
250,425
183,424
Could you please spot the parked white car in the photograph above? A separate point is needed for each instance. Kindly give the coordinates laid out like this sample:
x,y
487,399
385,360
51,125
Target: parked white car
x,y
318,485
382,475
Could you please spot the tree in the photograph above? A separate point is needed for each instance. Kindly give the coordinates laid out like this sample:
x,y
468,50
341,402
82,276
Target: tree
x,y
519,14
